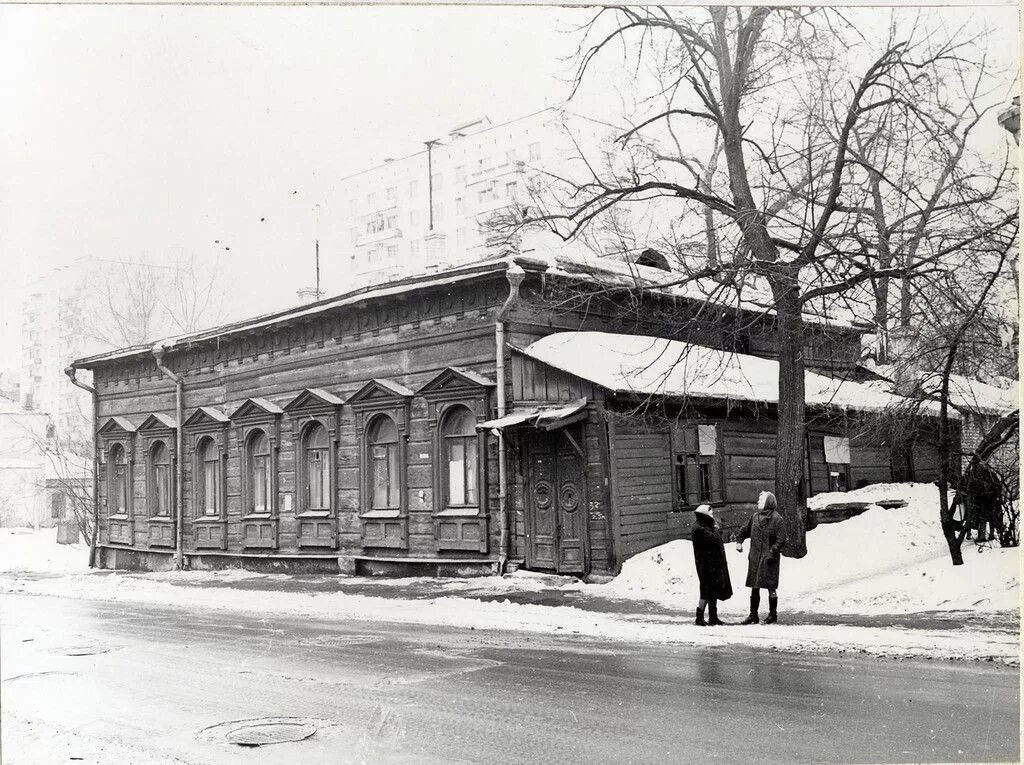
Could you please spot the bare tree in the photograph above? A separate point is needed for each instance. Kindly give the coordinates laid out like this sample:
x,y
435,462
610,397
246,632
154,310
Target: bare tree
x,y
133,302
794,104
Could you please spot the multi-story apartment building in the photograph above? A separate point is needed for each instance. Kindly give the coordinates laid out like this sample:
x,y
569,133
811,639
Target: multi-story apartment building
x,y
430,209
53,322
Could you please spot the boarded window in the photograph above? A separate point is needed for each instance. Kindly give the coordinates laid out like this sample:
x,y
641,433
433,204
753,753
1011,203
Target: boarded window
x,y
697,460
58,503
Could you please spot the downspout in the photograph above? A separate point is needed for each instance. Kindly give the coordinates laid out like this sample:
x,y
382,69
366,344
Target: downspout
x,y
179,453
71,372
515,275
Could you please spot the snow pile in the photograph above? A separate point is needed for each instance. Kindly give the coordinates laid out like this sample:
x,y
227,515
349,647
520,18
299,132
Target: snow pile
x,y
884,561
37,551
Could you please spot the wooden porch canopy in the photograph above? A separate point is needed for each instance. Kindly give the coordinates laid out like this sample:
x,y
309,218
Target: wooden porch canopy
x,y
540,417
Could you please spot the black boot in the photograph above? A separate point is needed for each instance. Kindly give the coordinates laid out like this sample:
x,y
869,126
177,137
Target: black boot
x,y
773,606
699,621
713,620
755,603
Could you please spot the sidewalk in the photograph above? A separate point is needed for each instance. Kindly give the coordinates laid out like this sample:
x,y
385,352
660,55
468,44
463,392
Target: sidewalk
x,y
539,604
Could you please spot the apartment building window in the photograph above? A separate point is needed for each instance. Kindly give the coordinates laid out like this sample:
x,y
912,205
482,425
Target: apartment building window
x,y
414,188
483,164
414,248
438,212
460,237
391,222
460,174
392,193
534,152
415,218
460,206
392,252
510,157
510,189
436,179
375,226
486,194
354,233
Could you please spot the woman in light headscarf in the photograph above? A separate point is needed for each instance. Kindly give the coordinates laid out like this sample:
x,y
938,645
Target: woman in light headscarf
x,y
767,533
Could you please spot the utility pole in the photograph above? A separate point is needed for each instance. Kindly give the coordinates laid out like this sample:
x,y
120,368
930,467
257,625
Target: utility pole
x,y
430,181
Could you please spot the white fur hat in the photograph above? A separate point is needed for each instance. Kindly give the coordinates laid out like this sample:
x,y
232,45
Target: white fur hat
x,y
705,510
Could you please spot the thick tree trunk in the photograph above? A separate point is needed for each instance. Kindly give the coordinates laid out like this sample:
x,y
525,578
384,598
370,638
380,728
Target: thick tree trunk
x,y
789,455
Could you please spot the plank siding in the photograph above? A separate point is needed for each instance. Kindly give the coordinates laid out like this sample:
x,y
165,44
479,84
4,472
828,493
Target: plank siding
x,y
278,366
642,467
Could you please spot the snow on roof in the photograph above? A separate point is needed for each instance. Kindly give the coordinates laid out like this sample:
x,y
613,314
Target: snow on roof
x,y
418,281
646,365
578,264
966,394
974,396
608,270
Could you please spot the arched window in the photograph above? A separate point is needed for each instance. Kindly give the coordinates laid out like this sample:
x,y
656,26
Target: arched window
x,y
382,445
118,486
159,480
258,472
460,458
209,479
316,467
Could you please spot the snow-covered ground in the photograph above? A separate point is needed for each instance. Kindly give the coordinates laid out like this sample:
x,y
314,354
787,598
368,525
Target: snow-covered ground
x,y
38,551
881,562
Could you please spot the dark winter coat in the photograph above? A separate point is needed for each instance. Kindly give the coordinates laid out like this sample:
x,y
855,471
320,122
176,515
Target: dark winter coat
x,y
767,534
709,557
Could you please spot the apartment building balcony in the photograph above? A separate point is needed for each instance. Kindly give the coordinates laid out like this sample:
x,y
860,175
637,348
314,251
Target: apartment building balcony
x,y
378,237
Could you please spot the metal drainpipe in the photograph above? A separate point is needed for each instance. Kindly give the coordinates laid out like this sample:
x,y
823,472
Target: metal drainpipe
x,y
515,275
179,472
71,372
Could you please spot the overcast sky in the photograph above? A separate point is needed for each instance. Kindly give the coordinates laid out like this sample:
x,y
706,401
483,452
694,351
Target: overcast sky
x,y
149,132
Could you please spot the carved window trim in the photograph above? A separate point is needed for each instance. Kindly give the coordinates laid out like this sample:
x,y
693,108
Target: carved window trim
x,y
154,497
246,438
458,528
391,399
160,429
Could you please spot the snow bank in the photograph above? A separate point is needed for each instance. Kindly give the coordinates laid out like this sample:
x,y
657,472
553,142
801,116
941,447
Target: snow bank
x,y
38,552
884,561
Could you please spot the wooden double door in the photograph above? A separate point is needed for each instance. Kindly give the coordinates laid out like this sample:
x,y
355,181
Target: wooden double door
x,y
556,507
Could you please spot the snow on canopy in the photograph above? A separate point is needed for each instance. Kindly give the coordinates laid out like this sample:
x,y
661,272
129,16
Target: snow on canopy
x,y
654,366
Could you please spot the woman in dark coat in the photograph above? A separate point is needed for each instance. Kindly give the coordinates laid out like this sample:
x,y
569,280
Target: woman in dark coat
x,y
767,533
712,570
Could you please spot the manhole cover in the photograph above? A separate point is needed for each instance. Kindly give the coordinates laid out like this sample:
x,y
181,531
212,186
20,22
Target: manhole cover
x,y
84,650
261,731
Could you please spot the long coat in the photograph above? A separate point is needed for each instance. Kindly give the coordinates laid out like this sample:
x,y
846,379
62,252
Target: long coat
x,y
709,557
767,534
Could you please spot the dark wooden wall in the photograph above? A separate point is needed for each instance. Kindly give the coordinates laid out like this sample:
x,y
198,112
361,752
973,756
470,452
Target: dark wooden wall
x,y
453,327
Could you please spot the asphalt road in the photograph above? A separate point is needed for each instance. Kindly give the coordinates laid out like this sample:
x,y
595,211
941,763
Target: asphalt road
x,y
395,693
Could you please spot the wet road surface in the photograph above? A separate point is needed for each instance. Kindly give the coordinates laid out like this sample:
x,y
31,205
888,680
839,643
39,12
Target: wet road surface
x,y
397,693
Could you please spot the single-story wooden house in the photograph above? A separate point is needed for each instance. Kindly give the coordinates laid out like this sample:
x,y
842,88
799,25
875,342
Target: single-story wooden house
x,y
555,414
